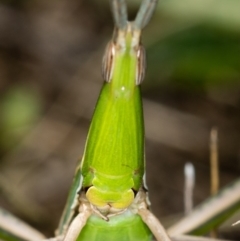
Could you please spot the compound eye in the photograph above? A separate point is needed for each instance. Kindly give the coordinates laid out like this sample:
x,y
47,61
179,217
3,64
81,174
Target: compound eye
x,y
141,67
107,62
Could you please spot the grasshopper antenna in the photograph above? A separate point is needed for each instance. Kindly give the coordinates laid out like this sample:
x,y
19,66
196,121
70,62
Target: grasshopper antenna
x,y
119,9
145,13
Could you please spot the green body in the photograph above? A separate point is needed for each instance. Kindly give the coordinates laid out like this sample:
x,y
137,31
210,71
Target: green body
x,y
113,161
112,167
124,227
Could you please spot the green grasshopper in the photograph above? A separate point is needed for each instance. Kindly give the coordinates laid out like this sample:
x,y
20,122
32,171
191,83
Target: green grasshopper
x,y
108,199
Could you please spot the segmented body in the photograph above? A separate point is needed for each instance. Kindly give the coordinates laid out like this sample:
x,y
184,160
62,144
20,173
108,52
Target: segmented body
x,y
113,164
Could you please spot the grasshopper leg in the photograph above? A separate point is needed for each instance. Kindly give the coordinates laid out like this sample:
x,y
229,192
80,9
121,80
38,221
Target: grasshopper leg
x,y
148,218
78,223
154,225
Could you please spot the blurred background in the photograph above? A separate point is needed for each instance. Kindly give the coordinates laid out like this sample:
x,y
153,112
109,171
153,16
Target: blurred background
x,y
50,78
